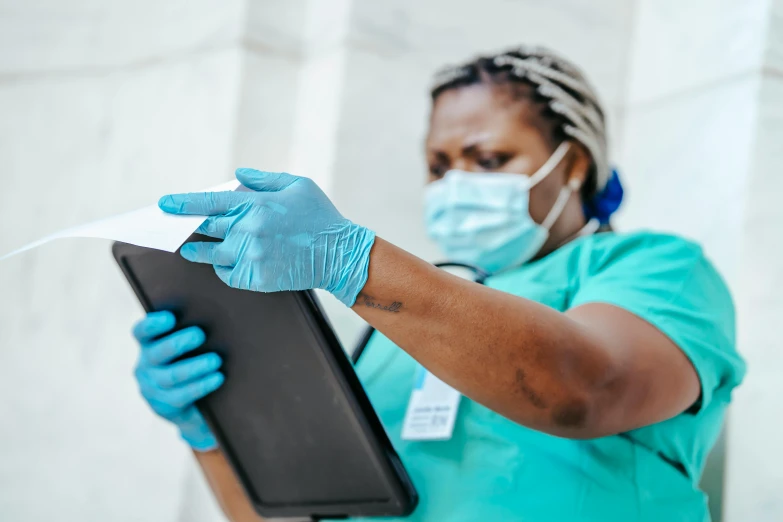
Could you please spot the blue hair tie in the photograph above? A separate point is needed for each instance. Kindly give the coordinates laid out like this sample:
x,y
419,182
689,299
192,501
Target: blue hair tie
x,y
606,202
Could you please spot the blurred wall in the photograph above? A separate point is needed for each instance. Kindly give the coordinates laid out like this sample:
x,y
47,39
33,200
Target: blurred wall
x,y
106,105
103,105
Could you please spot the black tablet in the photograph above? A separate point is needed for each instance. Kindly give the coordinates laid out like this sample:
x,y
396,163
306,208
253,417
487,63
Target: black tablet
x,y
292,417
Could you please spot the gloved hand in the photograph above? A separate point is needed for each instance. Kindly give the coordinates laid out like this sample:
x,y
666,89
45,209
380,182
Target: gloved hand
x,y
171,388
284,234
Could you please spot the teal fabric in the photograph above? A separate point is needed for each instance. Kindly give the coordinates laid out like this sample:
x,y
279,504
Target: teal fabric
x,y
494,469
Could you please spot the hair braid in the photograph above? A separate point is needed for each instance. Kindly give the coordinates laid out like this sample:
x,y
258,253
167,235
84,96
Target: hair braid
x,y
567,102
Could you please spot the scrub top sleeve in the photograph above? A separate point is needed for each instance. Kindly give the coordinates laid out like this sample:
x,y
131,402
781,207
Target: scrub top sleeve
x,y
669,283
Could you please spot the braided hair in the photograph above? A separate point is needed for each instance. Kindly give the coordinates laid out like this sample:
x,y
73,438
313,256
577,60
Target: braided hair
x,y
564,105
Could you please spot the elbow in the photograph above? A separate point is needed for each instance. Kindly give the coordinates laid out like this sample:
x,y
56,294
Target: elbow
x,y
575,405
576,417
574,413
568,412
583,415
587,409
590,400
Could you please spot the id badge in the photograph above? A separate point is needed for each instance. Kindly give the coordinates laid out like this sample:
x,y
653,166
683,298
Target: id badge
x,y
432,409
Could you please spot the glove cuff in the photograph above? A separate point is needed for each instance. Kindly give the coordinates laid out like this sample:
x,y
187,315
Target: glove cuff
x,y
357,242
201,442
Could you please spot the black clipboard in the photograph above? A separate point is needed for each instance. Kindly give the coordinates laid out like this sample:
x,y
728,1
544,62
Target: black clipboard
x,y
291,417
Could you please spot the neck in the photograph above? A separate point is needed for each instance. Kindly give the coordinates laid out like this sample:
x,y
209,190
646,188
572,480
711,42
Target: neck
x,y
566,228
590,228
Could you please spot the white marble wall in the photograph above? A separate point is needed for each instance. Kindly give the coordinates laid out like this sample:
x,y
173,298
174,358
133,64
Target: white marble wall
x,y
106,104
102,106
755,455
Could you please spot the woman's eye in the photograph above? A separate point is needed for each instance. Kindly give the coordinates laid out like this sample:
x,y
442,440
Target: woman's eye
x,y
437,171
493,162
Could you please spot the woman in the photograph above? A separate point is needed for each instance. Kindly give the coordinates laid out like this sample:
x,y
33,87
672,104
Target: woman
x,y
596,366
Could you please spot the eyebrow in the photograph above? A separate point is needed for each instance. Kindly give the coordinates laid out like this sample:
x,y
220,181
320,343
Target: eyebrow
x,y
474,143
471,147
467,150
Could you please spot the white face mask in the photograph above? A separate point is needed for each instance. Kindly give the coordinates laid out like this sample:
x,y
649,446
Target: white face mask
x,y
483,219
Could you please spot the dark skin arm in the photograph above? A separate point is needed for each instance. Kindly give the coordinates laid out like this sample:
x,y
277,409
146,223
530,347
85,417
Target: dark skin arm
x,y
592,371
226,487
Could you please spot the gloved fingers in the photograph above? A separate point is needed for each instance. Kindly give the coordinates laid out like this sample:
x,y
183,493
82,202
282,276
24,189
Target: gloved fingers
x,y
195,430
172,346
224,273
241,277
183,372
189,417
261,181
216,226
210,253
153,325
163,409
202,203
187,394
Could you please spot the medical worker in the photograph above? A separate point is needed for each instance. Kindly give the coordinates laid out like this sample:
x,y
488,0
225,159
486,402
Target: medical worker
x,y
595,367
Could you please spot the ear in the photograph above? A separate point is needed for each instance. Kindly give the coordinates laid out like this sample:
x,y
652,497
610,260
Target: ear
x,y
578,162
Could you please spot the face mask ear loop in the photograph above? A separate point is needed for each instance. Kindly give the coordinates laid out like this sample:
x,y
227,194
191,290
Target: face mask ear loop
x,y
550,164
560,203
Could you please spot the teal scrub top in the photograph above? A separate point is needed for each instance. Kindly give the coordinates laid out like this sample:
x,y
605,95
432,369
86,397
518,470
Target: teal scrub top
x,y
495,469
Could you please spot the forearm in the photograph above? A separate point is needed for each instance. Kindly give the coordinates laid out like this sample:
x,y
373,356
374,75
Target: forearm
x,y
226,487
526,361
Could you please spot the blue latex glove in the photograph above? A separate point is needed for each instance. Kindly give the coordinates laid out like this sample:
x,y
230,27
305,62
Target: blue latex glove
x,y
282,234
171,388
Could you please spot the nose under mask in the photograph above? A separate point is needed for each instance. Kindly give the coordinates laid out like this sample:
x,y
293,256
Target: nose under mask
x,y
483,219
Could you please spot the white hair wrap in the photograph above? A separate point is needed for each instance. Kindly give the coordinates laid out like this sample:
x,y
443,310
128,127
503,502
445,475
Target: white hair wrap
x,y
566,90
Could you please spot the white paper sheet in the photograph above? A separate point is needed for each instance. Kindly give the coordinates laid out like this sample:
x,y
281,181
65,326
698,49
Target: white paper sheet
x,y
147,227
